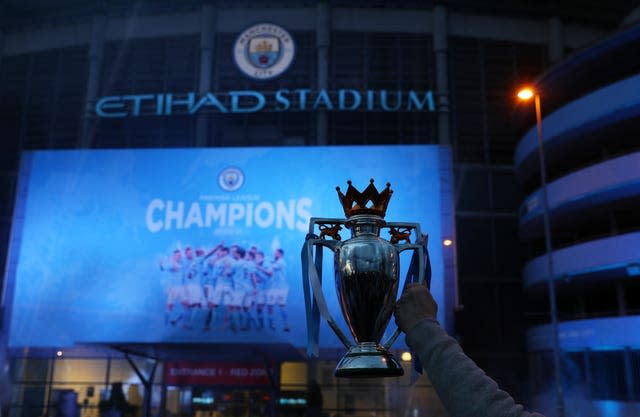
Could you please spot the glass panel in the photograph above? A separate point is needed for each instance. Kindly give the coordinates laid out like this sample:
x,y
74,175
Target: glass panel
x,y
29,370
80,370
607,375
472,189
121,371
474,247
293,376
28,401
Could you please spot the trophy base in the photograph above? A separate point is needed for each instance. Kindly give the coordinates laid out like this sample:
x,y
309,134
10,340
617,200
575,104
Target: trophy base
x,y
368,360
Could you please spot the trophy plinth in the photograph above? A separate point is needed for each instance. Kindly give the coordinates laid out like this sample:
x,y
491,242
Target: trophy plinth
x,y
367,360
367,270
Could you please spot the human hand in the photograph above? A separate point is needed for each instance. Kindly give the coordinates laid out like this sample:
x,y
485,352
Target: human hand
x,y
415,304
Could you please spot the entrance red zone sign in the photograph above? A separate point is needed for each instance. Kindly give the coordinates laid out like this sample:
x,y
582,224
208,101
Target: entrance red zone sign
x,y
214,373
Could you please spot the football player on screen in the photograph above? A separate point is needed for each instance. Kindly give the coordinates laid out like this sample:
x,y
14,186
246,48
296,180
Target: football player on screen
x,y
278,289
263,274
174,266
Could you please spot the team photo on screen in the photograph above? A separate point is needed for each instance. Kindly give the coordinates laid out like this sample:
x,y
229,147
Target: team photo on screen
x,y
193,245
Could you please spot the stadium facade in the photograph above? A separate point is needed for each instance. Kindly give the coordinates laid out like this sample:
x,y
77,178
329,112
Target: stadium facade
x,y
174,75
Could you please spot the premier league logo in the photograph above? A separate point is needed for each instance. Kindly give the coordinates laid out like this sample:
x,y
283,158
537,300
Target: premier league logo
x,y
264,51
231,179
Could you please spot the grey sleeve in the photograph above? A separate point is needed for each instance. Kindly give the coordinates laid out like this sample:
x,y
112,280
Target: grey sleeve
x,y
464,389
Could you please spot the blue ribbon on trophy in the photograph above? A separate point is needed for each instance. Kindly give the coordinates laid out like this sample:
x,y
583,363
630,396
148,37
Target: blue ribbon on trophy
x,y
366,269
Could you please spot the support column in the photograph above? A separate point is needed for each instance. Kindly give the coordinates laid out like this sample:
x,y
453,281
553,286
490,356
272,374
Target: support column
x,y
442,72
628,374
621,299
162,412
323,38
4,365
96,53
1,45
556,40
147,383
5,380
314,391
207,45
587,372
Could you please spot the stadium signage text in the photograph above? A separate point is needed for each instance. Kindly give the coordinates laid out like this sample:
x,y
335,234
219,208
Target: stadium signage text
x,y
251,101
214,373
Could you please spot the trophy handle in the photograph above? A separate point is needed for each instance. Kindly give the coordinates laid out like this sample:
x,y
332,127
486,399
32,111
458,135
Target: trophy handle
x,y
316,304
420,266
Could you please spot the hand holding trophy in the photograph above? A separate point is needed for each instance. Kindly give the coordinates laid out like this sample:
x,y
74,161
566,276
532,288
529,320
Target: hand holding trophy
x,y
367,271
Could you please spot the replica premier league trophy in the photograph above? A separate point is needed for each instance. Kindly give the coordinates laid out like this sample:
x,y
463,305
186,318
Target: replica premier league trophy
x,y
367,271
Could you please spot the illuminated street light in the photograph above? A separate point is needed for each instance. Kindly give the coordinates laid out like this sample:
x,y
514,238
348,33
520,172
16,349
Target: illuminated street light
x,y
447,242
526,94
406,356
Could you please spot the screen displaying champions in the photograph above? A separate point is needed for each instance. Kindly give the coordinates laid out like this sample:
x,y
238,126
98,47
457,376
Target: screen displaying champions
x,y
191,245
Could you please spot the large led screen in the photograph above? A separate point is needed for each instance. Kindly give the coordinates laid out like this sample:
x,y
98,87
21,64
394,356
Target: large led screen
x,y
144,246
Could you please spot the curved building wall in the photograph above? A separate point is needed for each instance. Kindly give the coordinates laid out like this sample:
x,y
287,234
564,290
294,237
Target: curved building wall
x,y
593,195
612,182
566,125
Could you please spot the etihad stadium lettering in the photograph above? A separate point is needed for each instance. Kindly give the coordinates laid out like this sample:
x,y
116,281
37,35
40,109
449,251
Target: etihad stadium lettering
x,y
251,101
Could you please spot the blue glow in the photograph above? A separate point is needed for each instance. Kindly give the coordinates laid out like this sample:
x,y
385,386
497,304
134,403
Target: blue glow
x,y
609,408
611,333
85,259
633,270
292,401
605,348
202,400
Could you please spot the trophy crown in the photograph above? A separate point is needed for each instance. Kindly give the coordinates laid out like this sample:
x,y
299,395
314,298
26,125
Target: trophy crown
x,y
370,201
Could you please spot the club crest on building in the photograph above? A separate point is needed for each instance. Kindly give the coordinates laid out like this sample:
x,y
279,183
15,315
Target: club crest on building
x,y
264,51
231,179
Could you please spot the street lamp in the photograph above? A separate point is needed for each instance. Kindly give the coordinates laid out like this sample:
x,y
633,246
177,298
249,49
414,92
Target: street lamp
x,y
525,94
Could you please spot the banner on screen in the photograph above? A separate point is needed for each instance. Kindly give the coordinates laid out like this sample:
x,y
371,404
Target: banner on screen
x,y
147,246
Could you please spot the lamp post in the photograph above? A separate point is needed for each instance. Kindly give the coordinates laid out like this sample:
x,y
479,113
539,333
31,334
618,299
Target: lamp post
x,y
526,94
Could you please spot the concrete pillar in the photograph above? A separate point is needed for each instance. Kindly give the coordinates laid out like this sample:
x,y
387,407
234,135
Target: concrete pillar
x,y
556,40
312,374
323,38
1,45
588,378
96,53
162,412
629,374
621,299
5,380
442,71
2,6
207,45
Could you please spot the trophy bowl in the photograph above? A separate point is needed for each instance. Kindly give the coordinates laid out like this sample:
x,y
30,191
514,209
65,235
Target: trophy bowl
x,y
367,270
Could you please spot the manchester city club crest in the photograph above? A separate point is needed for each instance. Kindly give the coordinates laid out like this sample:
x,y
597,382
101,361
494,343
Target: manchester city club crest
x,y
264,51
231,179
